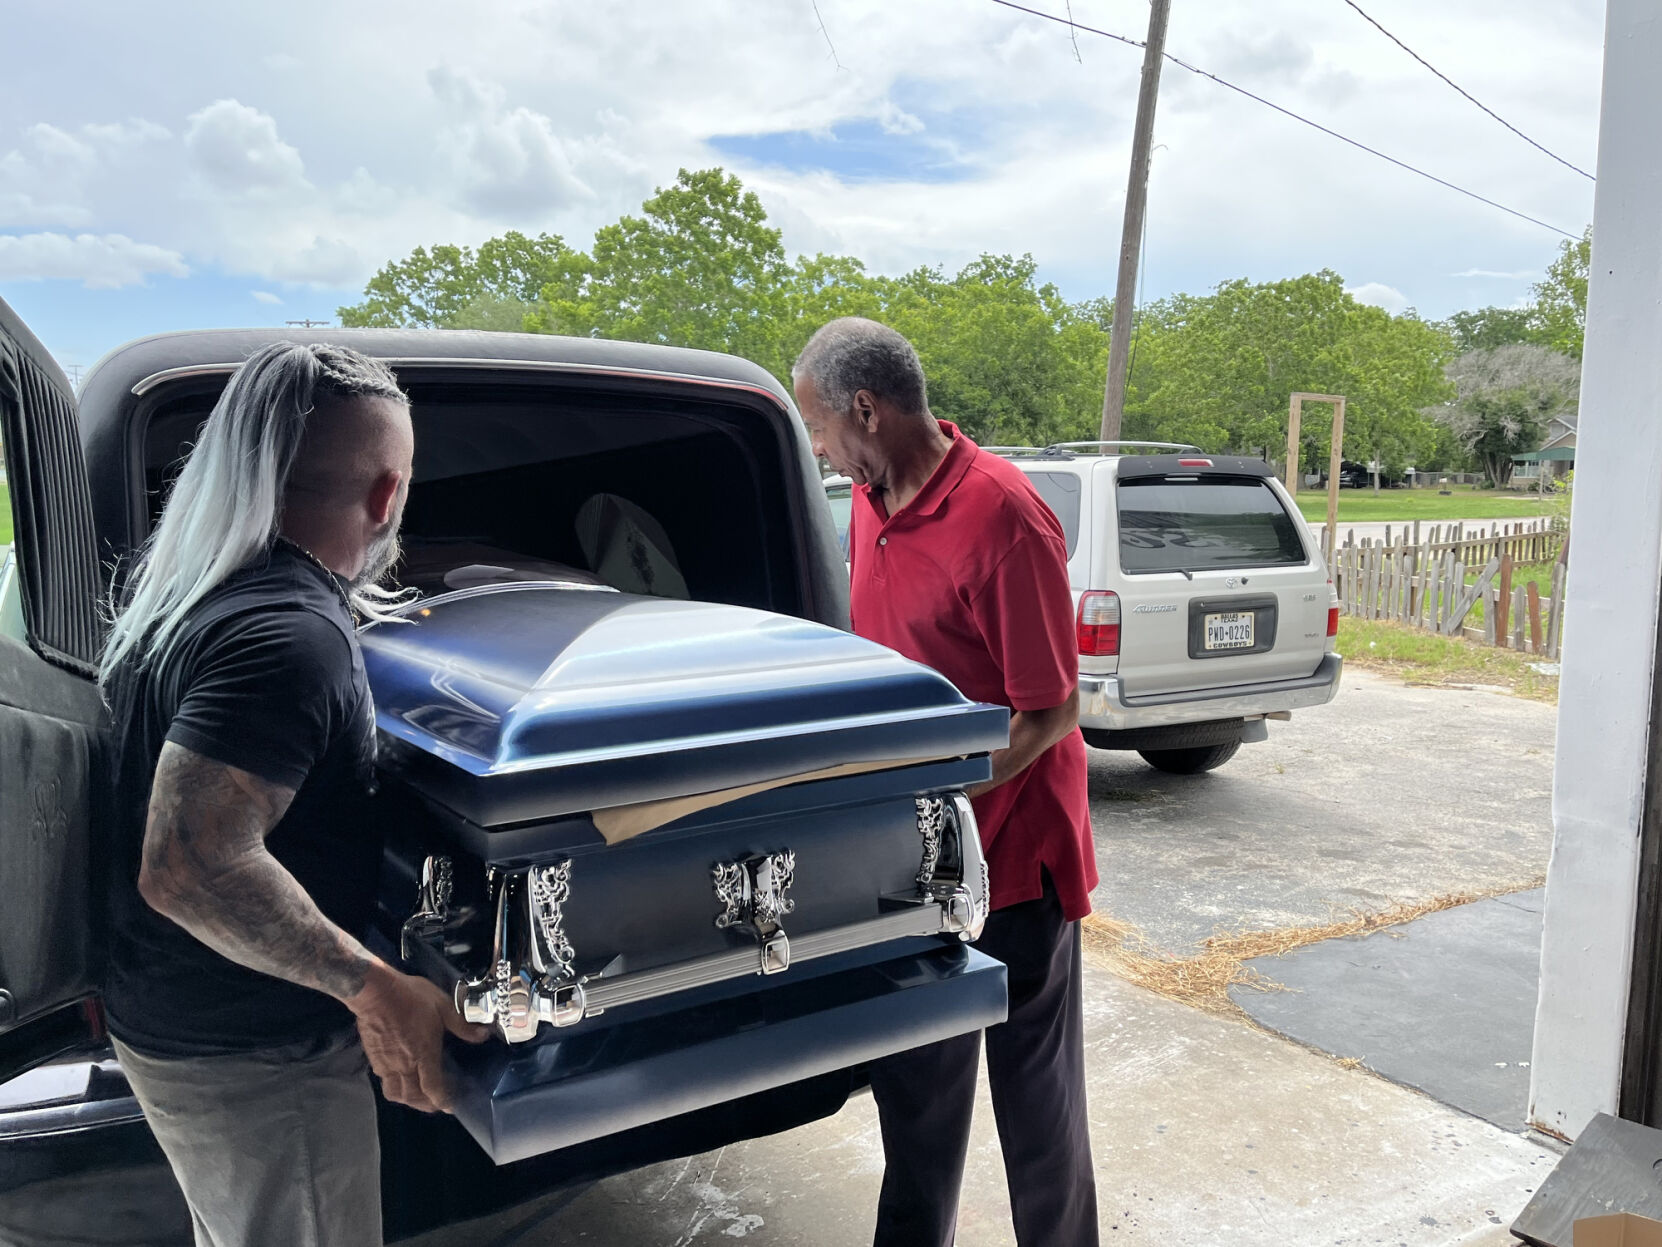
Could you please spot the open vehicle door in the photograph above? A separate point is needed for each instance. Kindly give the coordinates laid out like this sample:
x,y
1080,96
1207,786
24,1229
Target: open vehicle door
x,y
50,714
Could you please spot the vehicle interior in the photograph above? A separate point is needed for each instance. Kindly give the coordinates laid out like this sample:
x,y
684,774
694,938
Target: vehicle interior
x,y
516,480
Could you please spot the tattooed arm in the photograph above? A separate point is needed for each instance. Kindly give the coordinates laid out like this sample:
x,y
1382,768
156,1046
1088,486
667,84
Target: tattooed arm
x,y
205,866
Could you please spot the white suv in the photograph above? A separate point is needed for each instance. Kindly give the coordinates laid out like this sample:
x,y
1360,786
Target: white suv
x,y
1203,602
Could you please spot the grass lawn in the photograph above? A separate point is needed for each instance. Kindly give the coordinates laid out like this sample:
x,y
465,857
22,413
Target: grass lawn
x,y
1522,574
1417,657
5,515
1466,502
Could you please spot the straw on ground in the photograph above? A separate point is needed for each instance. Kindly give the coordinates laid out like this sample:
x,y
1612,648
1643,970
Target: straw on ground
x,y
1204,979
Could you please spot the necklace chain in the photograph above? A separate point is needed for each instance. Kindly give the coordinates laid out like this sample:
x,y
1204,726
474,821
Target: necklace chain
x,y
334,581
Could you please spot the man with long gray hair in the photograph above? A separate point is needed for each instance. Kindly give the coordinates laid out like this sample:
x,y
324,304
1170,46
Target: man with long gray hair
x,y
958,564
245,1012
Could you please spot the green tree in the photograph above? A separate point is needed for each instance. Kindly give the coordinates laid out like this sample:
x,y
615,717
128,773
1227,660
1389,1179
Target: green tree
x,y
449,287
1008,360
1006,356
1486,327
1503,400
1217,370
818,289
1560,311
700,267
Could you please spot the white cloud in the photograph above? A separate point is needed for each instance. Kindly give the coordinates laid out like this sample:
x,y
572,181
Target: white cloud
x,y
237,150
560,117
98,262
1379,295
1517,275
266,297
896,120
49,178
505,161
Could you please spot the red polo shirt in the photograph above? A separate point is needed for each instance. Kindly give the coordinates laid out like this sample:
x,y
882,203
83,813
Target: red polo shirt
x,y
971,578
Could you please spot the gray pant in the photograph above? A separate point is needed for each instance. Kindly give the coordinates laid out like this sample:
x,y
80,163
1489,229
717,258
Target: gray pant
x,y
275,1147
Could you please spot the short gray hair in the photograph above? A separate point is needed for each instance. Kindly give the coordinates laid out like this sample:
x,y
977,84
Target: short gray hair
x,y
852,354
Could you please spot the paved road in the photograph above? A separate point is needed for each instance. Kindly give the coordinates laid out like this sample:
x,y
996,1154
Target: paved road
x,y
1205,1131
1389,793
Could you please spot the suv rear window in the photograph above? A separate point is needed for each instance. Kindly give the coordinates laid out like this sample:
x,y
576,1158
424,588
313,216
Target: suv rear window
x,y
841,498
1060,490
1218,521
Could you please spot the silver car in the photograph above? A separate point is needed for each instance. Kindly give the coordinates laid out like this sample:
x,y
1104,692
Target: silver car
x,y
1203,604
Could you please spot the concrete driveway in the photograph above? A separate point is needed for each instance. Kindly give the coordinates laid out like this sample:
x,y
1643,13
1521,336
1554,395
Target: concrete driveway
x,y
1206,1130
1390,793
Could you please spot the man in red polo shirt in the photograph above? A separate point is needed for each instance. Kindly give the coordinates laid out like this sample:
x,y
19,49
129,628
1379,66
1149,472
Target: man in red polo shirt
x,y
957,563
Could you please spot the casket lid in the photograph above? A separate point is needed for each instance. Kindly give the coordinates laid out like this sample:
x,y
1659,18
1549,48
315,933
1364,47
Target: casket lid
x,y
547,699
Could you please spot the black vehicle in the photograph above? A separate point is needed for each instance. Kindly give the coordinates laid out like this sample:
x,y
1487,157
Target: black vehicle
x,y
693,917
1360,476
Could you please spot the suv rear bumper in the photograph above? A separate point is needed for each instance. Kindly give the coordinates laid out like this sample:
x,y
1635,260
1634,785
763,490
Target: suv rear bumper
x,y
1104,705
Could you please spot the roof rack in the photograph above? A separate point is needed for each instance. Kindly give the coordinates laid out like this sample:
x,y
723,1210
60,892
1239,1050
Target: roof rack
x,y
1018,450
1177,446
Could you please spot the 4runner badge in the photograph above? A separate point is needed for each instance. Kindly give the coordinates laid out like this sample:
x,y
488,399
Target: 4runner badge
x,y
1147,609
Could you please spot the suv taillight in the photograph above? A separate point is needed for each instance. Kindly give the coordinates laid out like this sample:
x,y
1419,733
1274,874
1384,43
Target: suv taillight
x,y
1099,624
1332,621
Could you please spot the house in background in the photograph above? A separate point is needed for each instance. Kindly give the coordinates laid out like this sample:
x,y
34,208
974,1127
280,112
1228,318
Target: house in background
x,y
1555,457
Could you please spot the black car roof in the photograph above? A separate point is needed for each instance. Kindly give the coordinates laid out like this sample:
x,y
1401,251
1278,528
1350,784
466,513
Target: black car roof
x,y
117,373
113,391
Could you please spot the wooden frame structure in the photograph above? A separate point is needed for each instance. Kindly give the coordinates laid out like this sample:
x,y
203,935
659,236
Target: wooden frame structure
x,y
1295,417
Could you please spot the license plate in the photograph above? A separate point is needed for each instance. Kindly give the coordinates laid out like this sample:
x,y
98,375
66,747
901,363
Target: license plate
x,y
1232,630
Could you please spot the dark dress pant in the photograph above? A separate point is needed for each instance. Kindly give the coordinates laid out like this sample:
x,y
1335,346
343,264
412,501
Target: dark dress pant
x,y
1036,1072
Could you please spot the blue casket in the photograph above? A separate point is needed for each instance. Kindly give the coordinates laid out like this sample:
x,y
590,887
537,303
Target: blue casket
x,y
675,852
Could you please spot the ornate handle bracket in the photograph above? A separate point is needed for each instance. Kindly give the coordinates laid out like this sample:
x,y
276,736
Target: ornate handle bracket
x,y
531,979
432,906
947,828
752,894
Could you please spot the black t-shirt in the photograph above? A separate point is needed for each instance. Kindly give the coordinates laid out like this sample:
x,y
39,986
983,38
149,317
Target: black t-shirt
x,y
265,675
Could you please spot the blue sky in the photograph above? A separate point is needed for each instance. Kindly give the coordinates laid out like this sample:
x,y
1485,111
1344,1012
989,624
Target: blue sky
x,y
859,151
150,182
79,325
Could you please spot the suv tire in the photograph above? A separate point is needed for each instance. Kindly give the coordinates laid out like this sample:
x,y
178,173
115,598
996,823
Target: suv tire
x,y
1190,761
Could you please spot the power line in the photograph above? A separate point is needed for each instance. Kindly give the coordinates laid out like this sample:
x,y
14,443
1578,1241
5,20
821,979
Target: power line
x,y
1372,151
835,59
1287,112
1073,34
1503,121
1068,21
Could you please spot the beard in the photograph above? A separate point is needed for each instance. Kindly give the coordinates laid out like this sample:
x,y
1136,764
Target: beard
x,y
382,556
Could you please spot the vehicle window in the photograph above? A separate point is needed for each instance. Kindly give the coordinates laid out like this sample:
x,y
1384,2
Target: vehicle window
x,y
841,498
11,606
5,507
1060,490
1189,525
511,467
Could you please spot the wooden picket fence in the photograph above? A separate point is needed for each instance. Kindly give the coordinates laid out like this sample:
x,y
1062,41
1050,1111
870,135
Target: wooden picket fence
x,y
1419,579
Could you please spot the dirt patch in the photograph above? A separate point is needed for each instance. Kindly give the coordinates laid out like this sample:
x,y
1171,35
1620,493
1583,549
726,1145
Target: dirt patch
x,y
1204,979
1133,795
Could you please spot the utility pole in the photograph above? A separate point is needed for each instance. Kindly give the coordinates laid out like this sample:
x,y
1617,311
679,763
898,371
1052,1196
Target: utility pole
x,y
1131,236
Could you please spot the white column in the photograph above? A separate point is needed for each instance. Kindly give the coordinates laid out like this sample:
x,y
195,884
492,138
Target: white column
x,y
1610,628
